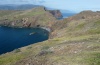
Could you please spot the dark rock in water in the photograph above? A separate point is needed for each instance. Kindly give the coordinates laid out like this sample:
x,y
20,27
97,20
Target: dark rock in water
x,y
56,13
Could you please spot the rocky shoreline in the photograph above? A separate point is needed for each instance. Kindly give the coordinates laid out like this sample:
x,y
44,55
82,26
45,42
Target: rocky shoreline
x,y
32,18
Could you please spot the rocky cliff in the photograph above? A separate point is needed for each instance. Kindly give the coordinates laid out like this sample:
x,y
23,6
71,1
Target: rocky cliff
x,y
36,17
56,13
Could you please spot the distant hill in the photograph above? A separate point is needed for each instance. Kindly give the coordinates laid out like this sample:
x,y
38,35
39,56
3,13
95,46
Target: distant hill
x,y
17,7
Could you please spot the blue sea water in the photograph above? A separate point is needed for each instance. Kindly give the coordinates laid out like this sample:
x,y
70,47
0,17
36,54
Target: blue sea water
x,y
66,15
13,38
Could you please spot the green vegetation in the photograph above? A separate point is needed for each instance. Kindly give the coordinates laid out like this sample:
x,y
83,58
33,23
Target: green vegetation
x,y
45,48
10,58
80,26
93,59
17,50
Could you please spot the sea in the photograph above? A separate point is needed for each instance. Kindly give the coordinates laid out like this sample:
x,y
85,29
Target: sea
x,y
66,15
14,38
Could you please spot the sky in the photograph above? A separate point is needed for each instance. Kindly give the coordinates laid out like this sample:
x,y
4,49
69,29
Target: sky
x,y
73,5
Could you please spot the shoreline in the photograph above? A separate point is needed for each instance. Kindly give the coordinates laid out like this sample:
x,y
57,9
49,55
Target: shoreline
x,y
45,28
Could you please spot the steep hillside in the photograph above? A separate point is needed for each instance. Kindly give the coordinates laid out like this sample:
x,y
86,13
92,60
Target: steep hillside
x,y
26,18
74,41
76,25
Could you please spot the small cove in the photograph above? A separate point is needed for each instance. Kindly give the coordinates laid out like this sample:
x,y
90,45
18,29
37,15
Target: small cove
x,y
13,38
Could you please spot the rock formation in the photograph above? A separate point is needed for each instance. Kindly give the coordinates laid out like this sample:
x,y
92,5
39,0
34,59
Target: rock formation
x,y
56,13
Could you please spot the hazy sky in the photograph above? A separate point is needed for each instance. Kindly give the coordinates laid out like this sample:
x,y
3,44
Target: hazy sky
x,y
74,5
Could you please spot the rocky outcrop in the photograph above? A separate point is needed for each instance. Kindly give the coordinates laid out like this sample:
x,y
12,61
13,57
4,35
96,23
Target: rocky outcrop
x,y
56,13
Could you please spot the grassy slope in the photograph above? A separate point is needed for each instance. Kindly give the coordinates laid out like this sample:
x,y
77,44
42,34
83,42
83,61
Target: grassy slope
x,y
78,43
38,15
10,14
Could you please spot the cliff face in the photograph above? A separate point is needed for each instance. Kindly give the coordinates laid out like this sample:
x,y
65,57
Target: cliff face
x,y
36,17
56,13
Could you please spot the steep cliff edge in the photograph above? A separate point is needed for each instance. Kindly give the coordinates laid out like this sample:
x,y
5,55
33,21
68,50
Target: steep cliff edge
x,y
36,17
56,13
